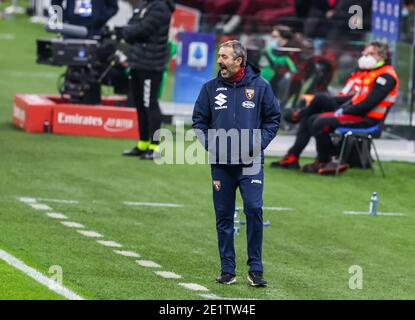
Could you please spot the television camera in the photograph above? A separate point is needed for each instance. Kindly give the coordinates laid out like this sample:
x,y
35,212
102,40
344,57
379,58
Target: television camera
x,y
90,63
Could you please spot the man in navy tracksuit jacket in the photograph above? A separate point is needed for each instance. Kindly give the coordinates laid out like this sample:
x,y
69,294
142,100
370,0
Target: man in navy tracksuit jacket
x,y
238,100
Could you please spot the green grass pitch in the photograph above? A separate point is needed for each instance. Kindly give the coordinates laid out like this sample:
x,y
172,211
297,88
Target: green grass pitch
x,y
307,252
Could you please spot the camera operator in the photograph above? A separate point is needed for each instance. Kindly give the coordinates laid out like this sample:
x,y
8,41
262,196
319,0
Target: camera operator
x,y
147,33
93,14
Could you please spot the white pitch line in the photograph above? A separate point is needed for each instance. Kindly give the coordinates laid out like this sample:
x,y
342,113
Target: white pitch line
x,y
193,286
148,264
168,274
392,214
27,200
71,224
366,213
39,277
127,253
211,296
40,206
111,244
58,200
55,215
90,233
277,209
153,204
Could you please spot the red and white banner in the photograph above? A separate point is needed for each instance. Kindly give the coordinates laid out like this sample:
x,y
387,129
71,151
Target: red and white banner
x,y
95,121
34,113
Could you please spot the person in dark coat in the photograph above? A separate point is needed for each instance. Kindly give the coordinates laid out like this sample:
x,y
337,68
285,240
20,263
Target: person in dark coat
x,y
238,104
148,35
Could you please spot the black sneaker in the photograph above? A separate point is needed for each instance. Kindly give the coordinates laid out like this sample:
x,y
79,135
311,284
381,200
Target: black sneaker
x,y
289,161
226,278
150,155
331,168
313,167
134,152
256,279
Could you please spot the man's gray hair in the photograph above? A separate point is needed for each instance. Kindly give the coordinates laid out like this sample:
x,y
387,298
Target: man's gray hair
x,y
239,50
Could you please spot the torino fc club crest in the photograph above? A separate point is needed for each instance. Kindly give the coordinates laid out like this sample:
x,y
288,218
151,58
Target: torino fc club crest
x,y
216,185
250,93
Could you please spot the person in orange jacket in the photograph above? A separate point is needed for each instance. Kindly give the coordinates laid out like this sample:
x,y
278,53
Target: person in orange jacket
x,y
367,108
363,102
315,104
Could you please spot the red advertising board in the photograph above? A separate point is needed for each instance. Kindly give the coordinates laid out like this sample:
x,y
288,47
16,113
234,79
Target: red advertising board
x,y
100,121
32,112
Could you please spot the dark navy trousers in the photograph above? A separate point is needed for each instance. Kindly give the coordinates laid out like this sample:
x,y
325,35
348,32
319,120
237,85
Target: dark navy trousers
x,y
226,180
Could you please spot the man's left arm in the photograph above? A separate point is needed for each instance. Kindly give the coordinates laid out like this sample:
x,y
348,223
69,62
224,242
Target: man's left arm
x,y
383,85
271,116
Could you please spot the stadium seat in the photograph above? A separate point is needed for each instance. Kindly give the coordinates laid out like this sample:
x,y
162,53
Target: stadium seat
x,y
356,135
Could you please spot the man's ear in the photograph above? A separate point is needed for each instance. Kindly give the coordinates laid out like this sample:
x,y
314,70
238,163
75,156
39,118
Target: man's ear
x,y
239,59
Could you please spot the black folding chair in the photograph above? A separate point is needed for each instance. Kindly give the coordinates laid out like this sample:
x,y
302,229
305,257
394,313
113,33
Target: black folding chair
x,y
362,140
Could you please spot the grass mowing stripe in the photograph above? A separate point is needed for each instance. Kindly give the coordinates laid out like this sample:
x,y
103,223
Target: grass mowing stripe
x,y
39,277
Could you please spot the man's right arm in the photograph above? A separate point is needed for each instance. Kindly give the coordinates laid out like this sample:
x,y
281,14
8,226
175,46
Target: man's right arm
x,y
148,25
202,117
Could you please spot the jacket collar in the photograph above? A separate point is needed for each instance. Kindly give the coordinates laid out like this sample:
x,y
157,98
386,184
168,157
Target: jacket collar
x,y
251,72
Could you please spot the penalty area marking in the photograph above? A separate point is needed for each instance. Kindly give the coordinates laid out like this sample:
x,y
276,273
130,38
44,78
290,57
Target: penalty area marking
x,y
111,244
365,213
39,277
148,264
193,286
153,204
127,253
168,274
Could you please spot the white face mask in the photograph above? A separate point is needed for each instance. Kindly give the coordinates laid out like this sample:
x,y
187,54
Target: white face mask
x,y
367,62
274,44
